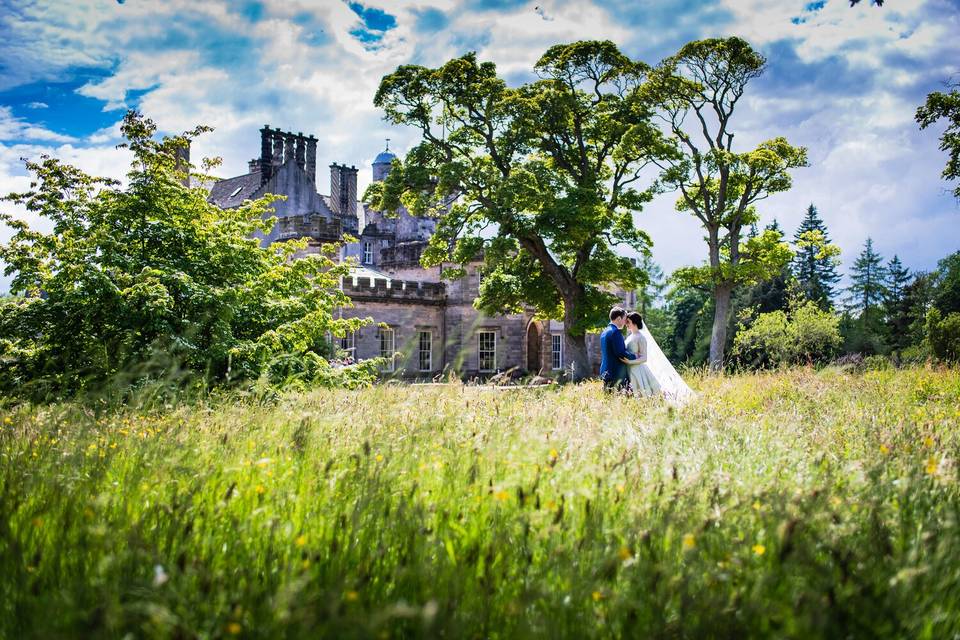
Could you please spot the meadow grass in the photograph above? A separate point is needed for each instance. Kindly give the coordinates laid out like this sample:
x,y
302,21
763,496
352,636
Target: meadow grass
x,y
792,504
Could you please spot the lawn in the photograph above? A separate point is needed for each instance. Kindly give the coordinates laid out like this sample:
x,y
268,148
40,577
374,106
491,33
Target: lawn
x,y
793,504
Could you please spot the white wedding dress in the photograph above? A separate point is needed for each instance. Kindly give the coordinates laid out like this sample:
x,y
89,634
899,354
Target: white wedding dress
x,y
651,373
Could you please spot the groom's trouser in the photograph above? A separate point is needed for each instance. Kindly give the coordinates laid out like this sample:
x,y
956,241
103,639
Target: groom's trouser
x,y
612,382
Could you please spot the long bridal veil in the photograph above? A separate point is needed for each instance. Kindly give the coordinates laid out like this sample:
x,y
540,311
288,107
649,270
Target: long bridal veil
x,y
672,385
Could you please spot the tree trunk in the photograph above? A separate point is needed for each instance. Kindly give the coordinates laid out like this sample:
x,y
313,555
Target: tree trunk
x,y
576,356
718,339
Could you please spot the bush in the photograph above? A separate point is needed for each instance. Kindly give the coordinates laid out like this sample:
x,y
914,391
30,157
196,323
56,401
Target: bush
x,y
805,334
152,281
943,334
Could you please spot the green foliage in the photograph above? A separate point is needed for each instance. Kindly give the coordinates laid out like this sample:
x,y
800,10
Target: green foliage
x,y
947,297
799,504
760,258
943,334
540,180
690,310
696,92
867,289
803,334
896,304
816,259
945,106
150,279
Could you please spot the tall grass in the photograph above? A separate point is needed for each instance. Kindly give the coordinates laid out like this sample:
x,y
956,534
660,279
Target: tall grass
x,y
795,504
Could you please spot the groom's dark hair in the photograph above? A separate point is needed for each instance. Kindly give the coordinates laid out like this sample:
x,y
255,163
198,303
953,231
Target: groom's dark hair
x,y
617,312
635,318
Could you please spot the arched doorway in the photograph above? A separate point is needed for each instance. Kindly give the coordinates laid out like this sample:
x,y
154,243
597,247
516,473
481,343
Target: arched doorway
x,y
534,335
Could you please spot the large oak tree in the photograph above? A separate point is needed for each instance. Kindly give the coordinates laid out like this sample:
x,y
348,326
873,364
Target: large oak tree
x,y
541,179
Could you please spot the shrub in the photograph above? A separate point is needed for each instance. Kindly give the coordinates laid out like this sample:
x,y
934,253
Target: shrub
x,y
153,281
804,334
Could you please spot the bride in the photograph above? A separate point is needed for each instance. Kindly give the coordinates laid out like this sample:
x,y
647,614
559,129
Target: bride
x,y
651,373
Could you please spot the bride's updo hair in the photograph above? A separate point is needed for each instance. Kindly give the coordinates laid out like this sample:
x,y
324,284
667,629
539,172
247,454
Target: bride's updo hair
x,y
636,319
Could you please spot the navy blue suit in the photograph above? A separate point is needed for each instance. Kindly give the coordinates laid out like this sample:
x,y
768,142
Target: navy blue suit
x,y
612,347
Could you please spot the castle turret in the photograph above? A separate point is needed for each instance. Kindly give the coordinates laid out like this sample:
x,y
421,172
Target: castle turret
x,y
381,164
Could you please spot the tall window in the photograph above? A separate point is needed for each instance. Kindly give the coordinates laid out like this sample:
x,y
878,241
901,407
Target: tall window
x,y
479,278
425,351
367,253
387,348
487,350
556,350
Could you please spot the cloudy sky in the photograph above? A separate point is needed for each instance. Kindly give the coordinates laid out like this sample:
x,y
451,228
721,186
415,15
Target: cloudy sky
x,y
844,82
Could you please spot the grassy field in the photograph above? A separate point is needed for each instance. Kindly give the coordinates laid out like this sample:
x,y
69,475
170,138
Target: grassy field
x,y
797,504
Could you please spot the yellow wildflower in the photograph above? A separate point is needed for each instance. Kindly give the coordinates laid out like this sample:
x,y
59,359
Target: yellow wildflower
x,y
928,442
501,495
625,553
554,454
884,449
351,596
932,465
7,420
234,628
756,505
759,549
597,596
260,490
689,541
379,457
300,541
620,488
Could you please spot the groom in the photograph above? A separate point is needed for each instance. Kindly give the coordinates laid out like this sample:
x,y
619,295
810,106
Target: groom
x,y
613,371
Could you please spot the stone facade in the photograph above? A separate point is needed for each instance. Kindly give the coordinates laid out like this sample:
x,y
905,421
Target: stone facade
x,y
429,321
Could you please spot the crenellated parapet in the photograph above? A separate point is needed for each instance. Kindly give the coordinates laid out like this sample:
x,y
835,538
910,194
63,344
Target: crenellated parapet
x,y
389,290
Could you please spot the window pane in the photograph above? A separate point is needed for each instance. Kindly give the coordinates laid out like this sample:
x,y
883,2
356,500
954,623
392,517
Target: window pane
x,y
425,351
387,348
557,351
487,350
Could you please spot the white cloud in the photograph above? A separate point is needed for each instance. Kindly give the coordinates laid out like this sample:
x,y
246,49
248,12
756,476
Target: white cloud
x,y
18,129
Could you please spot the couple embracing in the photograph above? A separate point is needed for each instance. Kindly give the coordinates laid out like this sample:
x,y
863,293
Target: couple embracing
x,y
637,363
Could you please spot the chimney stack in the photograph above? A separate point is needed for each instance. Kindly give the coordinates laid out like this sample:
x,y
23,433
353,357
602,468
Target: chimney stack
x,y
289,147
182,153
343,190
300,153
277,158
311,158
266,154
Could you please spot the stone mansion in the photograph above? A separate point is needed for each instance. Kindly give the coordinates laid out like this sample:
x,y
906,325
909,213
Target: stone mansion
x,y
431,321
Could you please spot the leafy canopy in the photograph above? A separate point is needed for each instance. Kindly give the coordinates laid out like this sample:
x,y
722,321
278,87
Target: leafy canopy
x,y
148,278
542,180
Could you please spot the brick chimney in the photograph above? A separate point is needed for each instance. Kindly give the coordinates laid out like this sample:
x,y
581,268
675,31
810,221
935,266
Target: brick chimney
x,y
343,190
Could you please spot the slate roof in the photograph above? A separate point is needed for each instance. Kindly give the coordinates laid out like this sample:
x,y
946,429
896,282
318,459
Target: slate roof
x,y
225,193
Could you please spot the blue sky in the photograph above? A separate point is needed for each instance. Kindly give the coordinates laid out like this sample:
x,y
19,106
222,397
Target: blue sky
x,y
842,81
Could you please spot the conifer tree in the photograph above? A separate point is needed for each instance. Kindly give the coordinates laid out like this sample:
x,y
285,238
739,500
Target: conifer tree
x,y
815,262
867,288
896,306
